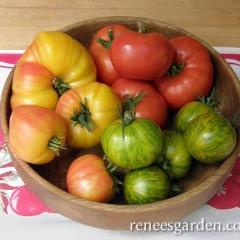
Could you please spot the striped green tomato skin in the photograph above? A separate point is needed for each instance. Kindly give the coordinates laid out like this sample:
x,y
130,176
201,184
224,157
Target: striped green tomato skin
x,y
175,152
210,138
189,112
138,147
146,185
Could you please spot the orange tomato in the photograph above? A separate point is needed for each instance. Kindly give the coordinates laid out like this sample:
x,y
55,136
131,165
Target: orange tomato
x,y
88,110
36,134
51,65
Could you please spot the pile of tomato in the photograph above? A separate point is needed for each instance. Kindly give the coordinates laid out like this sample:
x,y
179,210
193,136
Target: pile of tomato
x,y
134,93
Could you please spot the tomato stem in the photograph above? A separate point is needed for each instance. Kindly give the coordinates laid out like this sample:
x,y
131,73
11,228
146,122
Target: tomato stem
x,y
83,117
60,86
106,43
175,69
129,108
111,168
109,165
141,27
55,144
210,101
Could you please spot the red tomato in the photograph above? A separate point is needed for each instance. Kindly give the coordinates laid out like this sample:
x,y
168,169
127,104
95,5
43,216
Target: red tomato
x,y
106,72
152,106
88,178
191,75
143,56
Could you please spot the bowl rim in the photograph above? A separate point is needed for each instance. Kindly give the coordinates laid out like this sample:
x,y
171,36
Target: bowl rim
x,y
120,208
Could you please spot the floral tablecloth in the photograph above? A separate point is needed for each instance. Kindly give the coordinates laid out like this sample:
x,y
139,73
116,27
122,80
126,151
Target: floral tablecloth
x,y
19,207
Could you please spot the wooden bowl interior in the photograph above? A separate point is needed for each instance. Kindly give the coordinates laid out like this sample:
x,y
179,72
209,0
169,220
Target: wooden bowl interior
x,y
226,87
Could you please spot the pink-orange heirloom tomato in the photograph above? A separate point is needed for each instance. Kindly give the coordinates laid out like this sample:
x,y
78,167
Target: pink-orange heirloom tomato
x,y
36,134
51,65
88,178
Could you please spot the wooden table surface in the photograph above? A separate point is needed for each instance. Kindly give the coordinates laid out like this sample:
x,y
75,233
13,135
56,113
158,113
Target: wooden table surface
x,y
216,21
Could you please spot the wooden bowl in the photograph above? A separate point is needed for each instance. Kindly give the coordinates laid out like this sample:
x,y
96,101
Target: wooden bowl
x,y
48,181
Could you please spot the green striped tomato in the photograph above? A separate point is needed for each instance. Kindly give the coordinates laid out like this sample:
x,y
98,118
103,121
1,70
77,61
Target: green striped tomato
x,y
189,112
135,146
146,185
176,158
210,138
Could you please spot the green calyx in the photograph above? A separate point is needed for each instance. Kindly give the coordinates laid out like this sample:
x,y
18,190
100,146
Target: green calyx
x,y
129,108
56,145
165,165
211,100
106,43
175,69
60,86
83,117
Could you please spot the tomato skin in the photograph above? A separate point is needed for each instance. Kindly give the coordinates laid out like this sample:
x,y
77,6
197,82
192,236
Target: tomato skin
x,y
134,147
152,106
106,73
88,178
210,138
32,85
175,154
194,80
146,185
142,56
43,62
189,112
30,129
103,105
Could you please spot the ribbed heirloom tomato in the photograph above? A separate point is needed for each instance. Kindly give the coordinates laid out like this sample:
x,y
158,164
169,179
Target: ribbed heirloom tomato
x,y
36,134
210,138
152,105
189,112
143,56
190,76
52,64
100,51
132,143
146,185
88,110
88,178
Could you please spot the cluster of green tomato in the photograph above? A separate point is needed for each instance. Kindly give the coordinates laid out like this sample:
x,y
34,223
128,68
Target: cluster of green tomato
x,y
155,158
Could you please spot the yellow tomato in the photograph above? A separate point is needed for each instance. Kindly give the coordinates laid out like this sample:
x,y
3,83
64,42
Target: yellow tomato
x,y
36,134
88,110
52,64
